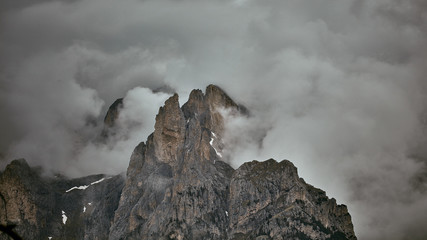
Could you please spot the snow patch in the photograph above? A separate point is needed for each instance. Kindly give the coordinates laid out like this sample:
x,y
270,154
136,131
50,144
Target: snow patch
x,y
90,204
226,213
84,186
79,188
84,208
100,180
64,217
211,143
49,238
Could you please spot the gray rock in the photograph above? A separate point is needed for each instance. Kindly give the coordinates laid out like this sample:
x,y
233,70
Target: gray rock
x,y
35,204
111,118
269,199
177,186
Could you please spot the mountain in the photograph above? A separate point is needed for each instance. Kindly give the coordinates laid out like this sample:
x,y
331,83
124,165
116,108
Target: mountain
x,y
60,208
111,117
177,186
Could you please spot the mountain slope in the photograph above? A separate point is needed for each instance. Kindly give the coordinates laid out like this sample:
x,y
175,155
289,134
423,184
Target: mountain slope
x,y
177,186
57,207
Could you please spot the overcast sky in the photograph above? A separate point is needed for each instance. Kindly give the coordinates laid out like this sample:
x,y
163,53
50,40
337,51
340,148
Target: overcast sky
x,y
337,87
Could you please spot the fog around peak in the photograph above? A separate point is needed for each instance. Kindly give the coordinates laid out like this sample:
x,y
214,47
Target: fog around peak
x,y
337,87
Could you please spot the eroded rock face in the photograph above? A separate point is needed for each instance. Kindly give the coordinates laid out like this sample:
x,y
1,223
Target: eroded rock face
x,y
180,189
19,204
177,187
37,205
169,132
269,199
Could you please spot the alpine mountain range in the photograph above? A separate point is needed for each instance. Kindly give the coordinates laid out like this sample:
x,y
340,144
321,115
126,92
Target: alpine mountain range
x,y
177,186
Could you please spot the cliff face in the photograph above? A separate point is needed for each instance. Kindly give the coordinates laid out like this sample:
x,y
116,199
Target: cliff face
x,y
269,199
57,207
177,187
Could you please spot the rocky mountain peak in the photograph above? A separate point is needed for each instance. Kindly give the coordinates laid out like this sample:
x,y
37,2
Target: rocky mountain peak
x,y
169,131
178,186
207,108
218,98
17,167
113,112
111,117
197,127
17,176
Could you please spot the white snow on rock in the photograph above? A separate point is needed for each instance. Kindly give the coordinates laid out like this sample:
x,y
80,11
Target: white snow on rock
x,y
84,208
85,186
79,187
226,213
64,217
49,238
100,180
211,143
90,204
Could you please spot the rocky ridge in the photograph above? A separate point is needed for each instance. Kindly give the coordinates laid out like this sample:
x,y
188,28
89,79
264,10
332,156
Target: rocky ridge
x,y
177,186
60,208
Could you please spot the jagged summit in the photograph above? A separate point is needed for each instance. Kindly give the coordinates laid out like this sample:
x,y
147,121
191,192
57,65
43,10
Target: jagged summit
x,y
177,186
111,117
200,119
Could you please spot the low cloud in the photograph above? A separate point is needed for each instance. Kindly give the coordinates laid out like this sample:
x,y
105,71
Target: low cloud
x,y
338,88
134,124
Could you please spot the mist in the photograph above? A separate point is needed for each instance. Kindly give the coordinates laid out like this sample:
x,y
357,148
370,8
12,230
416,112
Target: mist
x,y
337,87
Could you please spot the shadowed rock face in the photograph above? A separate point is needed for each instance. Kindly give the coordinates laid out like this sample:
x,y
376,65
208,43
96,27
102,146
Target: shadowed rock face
x,y
111,118
113,113
177,187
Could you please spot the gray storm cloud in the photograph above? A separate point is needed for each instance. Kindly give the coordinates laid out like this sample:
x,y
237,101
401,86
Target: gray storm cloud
x,y
337,87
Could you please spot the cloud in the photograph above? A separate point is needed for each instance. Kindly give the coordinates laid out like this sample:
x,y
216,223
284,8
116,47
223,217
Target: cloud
x,y
134,124
337,87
